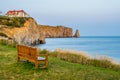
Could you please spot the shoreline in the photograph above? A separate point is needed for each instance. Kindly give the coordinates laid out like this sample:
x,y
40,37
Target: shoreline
x,y
86,54
92,46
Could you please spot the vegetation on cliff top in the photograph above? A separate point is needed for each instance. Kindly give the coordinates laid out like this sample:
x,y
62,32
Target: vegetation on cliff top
x,y
3,34
13,21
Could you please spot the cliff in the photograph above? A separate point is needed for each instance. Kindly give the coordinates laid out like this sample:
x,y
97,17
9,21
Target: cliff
x,y
22,30
55,31
25,30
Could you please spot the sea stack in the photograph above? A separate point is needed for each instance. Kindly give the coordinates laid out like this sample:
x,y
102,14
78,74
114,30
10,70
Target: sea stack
x,y
77,34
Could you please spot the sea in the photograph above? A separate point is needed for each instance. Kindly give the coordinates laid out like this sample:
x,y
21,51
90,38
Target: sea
x,y
92,45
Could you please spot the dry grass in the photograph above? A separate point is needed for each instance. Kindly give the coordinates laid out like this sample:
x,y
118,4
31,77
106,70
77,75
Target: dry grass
x,y
73,56
73,52
83,58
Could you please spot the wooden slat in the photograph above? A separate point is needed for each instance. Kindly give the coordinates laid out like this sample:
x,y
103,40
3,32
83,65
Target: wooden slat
x,y
30,54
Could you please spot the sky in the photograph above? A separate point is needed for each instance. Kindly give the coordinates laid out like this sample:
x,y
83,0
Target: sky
x,y
90,17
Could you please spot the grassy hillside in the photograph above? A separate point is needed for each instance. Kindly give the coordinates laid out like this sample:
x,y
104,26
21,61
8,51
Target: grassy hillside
x,y
58,69
12,21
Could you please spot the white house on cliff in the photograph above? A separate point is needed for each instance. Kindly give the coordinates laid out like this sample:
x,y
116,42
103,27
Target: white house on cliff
x,y
17,13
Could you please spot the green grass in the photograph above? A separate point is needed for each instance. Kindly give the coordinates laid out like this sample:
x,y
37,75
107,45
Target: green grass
x,y
13,21
8,42
58,69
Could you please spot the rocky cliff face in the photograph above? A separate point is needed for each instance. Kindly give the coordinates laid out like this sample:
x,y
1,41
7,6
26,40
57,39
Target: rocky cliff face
x,y
26,31
26,34
77,34
55,31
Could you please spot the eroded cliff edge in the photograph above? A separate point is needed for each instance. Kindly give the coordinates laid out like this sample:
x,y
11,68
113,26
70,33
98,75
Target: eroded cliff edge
x,y
55,31
22,30
25,30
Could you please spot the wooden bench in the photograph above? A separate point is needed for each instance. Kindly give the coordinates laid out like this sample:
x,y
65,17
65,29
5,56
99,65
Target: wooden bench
x,y
31,54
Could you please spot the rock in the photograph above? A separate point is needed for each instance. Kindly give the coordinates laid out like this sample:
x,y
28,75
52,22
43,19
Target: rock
x,y
77,34
55,31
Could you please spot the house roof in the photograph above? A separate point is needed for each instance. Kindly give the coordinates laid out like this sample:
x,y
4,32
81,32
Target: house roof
x,y
14,12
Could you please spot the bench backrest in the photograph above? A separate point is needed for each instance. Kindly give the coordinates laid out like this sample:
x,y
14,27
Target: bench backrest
x,y
27,52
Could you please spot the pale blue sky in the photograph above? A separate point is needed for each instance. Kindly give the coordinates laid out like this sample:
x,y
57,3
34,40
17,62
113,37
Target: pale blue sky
x,y
91,17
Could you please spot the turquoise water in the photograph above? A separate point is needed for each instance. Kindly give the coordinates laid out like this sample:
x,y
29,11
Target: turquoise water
x,y
109,46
